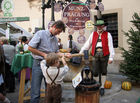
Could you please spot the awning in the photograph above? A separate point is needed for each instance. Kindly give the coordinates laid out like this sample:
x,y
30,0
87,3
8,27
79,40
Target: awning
x,y
15,31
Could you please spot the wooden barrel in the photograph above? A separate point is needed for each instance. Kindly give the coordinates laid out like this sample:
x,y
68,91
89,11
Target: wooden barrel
x,y
87,97
88,94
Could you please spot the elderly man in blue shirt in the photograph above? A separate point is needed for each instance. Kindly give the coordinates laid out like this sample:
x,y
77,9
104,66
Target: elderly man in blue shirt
x,y
43,42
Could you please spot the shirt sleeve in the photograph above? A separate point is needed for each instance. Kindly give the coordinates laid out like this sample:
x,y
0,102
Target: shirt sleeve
x,y
111,48
88,44
43,67
64,69
35,40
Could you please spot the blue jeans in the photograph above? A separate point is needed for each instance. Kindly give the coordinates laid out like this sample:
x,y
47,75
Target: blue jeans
x,y
36,82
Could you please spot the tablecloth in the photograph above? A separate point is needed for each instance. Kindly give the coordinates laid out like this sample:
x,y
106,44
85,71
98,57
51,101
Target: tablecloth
x,y
21,61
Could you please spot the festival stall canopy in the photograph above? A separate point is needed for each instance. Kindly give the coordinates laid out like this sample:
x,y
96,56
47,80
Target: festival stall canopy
x,y
15,31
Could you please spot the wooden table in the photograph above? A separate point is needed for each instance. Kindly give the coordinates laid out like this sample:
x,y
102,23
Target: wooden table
x,y
20,63
22,92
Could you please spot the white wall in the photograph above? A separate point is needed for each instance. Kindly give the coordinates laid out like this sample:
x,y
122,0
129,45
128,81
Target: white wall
x,y
127,8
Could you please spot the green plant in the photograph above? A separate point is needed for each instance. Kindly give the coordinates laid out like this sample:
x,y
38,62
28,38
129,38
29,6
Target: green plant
x,y
131,64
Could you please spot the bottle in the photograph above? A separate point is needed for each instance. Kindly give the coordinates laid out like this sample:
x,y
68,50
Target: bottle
x,y
21,49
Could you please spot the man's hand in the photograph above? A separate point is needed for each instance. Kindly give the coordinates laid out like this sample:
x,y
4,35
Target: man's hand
x,y
44,55
68,55
110,61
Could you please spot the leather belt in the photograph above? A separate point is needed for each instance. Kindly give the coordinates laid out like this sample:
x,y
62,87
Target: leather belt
x,y
99,49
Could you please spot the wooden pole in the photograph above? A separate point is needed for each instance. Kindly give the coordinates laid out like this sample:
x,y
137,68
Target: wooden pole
x,y
77,55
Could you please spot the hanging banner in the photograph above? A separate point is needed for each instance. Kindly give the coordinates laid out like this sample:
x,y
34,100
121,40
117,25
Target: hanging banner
x,y
75,15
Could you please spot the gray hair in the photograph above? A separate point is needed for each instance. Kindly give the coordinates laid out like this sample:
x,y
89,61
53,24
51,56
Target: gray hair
x,y
4,40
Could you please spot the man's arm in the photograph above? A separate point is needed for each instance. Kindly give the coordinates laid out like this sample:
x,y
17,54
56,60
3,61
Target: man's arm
x,y
111,48
68,55
88,44
37,52
43,67
63,60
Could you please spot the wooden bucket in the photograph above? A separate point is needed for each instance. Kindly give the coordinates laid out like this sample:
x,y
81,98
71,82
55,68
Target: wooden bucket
x,y
87,94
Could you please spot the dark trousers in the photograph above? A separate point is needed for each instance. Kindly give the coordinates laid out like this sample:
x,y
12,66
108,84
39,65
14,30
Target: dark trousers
x,y
100,65
53,94
2,89
9,78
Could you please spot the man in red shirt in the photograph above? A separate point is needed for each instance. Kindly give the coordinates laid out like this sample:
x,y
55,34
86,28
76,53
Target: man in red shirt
x,y
102,52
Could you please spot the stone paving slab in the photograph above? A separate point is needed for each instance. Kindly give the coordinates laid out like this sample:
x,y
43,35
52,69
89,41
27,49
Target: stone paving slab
x,y
113,95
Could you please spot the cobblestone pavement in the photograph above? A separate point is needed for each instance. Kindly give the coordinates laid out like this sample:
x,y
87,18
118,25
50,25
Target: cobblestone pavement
x,y
113,95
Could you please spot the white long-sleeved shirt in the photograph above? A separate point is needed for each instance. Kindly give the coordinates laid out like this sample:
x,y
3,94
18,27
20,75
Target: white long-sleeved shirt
x,y
52,71
88,45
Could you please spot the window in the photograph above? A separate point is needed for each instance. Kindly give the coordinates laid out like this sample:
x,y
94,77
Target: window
x,y
112,27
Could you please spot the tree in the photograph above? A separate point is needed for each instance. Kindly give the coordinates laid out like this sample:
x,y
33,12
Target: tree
x,y
131,64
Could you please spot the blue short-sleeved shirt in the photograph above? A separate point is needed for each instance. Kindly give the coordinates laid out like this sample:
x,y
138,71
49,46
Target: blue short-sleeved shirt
x,y
45,42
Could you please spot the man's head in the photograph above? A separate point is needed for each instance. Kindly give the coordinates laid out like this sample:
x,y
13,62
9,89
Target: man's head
x,y
3,40
57,27
19,39
100,24
52,59
70,37
24,39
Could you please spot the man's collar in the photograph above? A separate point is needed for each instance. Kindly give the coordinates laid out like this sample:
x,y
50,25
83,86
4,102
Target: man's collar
x,y
51,35
100,32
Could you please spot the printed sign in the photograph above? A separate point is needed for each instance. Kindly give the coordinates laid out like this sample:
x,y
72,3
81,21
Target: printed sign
x,y
81,39
75,15
76,80
14,19
89,25
7,7
57,7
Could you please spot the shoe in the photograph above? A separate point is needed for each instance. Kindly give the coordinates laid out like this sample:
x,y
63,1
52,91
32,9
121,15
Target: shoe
x,y
102,91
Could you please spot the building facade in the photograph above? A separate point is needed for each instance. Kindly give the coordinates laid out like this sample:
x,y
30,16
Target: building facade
x,y
118,14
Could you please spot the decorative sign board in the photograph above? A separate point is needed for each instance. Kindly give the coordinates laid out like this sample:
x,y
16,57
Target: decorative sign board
x,y
81,39
75,15
76,80
89,25
14,19
7,7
